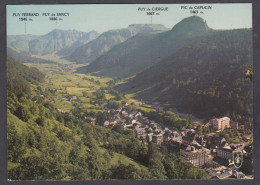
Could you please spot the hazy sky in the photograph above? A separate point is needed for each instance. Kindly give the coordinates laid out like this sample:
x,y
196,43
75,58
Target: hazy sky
x,y
112,16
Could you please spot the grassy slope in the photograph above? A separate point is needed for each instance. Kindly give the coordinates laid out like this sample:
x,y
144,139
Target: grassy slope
x,y
19,126
119,158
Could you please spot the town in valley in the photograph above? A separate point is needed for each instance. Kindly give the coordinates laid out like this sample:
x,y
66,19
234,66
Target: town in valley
x,y
159,92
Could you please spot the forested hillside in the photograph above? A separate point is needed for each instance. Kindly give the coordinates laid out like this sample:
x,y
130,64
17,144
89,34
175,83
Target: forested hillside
x,y
45,144
206,78
26,58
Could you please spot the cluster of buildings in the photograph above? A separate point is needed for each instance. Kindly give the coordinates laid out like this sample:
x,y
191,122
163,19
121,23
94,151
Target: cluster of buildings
x,y
223,172
218,159
187,143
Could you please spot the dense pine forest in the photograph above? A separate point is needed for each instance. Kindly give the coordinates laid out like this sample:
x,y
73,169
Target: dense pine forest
x,y
45,144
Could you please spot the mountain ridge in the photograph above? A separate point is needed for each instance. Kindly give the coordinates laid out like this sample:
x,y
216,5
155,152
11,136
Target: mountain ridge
x,y
109,39
193,22
145,49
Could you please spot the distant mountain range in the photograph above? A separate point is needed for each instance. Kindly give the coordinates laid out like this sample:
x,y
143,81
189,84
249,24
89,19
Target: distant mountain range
x,y
50,43
76,46
107,40
20,43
